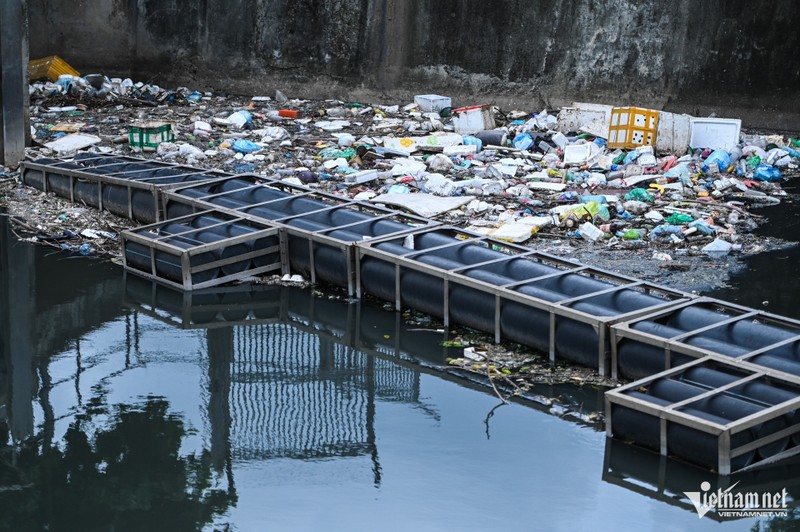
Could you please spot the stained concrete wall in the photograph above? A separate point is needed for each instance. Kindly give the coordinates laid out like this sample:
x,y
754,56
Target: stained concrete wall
x,y
732,57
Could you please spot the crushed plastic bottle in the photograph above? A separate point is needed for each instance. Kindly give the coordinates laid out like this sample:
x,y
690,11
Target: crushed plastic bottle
x,y
665,230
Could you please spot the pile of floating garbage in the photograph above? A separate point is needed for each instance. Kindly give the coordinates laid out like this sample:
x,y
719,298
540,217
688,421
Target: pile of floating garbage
x,y
623,178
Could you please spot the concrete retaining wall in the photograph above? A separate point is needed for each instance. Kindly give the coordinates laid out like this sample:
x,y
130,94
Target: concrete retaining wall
x,y
733,57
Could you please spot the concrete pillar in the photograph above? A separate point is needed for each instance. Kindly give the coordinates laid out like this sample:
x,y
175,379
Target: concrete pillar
x,y
14,112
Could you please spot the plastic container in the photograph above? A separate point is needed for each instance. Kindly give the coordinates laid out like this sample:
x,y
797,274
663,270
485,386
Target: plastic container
x,y
148,135
432,103
577,153
715,133
590,232
469,120
632,127
50,67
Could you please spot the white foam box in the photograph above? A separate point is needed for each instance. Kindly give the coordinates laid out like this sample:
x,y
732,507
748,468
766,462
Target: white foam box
x,y
469,120
587,117
577,153
715,133
674,133
432,103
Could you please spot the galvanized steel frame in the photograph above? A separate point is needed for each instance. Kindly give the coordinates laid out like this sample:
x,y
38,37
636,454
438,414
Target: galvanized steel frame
x,y
670,414
507,292
116,178
158,243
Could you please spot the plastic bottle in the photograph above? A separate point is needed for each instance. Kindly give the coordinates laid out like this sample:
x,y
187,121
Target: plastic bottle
x,y
735,154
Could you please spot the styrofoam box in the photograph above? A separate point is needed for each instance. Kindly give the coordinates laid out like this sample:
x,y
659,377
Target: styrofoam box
x,y
432,103
577,153
715,133
468,120
674,132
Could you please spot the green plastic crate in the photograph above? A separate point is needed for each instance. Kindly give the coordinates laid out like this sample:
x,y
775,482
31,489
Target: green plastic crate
x,y
148,135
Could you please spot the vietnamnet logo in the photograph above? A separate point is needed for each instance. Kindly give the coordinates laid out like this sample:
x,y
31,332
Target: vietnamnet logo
x,y
729,503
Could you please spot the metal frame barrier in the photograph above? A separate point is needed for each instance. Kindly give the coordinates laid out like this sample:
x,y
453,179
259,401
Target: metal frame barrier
x,y
159,243
677,345
724,433
66,169
321,236
508,293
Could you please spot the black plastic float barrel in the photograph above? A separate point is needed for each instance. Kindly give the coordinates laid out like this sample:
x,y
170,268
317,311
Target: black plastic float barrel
x,y
723,406
575,341
684,442
637,360
209,237
167,265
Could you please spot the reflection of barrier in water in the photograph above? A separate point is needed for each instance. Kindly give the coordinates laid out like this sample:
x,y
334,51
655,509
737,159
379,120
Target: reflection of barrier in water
x,y
295,395
664,479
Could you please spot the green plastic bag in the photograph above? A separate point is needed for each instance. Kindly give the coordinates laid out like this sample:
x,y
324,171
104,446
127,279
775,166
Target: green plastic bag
x,y
679,219
640,194
334,153
631,234
589,211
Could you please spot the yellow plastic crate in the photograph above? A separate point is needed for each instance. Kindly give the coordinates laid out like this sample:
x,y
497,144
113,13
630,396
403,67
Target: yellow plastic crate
x,y
49,67
632,127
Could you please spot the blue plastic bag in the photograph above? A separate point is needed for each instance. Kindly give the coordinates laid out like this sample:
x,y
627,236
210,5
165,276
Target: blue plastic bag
x,y
665,230
721,157
765,172
523,141
245,146
473,141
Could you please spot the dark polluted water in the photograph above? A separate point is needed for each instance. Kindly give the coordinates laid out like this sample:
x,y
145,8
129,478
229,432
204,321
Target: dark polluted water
x,y
127,406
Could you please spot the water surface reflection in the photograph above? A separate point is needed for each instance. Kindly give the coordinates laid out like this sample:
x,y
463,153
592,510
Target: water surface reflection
x,y
129,406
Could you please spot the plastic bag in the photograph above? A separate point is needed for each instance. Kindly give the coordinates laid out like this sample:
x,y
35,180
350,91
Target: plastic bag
x,y
722,159
640,194
245,146
765,172
335,153
665,230
631,234
678,218
522,141
587,211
